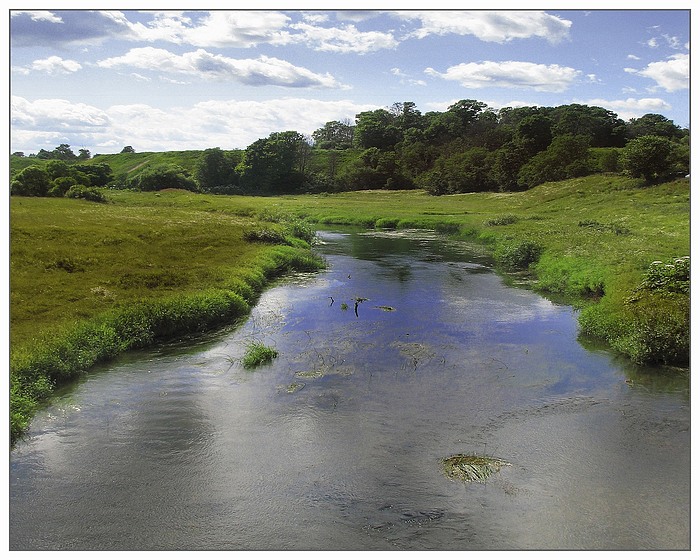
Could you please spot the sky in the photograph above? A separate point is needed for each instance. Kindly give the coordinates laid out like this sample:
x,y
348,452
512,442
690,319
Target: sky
x,y
178,79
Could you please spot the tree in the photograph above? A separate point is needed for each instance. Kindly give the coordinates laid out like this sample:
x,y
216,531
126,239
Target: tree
x,y
406,115
468,171
334,135
128,150
602,127
652,124
275,163
376,129
31,181
98,174
57,168
215,169
507,162
648,157
566,157
63,152
535,131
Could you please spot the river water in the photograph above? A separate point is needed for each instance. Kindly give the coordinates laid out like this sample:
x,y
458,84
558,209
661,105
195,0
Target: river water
x,y
337,444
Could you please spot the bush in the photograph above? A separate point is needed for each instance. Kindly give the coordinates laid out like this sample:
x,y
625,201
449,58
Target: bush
x,y
660,330
86,193
648,157
264,235
164,177
505,220
31,181
672,277
519,255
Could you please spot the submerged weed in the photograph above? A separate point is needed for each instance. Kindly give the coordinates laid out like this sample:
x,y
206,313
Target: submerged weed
x,y
471,468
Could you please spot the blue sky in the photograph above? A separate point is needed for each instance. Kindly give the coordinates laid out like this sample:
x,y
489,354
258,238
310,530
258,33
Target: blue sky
x,y
173,80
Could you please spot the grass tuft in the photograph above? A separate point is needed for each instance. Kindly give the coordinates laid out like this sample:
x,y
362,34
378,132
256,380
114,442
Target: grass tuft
x,y
257,354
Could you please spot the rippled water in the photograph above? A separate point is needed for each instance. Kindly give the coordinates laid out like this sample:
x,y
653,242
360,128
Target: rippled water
x,y
337,444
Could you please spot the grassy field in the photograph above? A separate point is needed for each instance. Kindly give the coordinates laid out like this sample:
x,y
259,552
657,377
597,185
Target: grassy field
x,y
89,280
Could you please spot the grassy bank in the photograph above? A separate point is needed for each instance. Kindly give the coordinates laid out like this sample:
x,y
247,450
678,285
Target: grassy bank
x,y
91,280
591,240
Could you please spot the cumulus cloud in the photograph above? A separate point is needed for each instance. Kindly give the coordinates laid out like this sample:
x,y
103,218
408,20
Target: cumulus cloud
x,y
37,15
56,65
55,114
497,26
215,29
345,39
631,107
225,123
672,74
261,71
510,74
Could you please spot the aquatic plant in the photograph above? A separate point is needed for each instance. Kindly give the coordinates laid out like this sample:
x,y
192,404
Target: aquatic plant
x,y
471,468
257,354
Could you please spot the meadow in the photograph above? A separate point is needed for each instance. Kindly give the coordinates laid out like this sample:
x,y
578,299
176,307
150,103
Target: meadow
x,y
90,280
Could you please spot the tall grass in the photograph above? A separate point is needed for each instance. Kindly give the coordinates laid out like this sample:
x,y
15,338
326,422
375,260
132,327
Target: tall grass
x,y
123,276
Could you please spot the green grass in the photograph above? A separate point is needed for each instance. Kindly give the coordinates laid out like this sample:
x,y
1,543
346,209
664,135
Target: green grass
x,y
590,240
89,280
257,354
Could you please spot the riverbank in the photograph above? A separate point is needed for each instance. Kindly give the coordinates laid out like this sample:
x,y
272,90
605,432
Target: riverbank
x,y
612,246
90,280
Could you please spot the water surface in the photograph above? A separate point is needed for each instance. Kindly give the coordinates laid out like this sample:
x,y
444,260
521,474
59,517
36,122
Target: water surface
x,y
337,444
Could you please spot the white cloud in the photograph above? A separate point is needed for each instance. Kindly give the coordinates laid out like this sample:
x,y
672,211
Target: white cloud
x,y
56,114
510,74
228,124
56,65
630,108
496,26
671,74
633,57
346,39
257,72
37,15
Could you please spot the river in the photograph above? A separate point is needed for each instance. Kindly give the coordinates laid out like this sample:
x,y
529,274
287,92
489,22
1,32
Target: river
x,y
407,350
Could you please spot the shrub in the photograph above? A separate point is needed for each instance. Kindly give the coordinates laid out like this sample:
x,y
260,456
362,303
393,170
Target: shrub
x,y
264,235
518,255
31,181
86,193
660,330
501,220
648,157
671,277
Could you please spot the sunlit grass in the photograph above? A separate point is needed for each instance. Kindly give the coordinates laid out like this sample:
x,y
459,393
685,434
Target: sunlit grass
x,y
89,280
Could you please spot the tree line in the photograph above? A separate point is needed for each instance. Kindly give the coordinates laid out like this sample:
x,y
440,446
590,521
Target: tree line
x,y
467,148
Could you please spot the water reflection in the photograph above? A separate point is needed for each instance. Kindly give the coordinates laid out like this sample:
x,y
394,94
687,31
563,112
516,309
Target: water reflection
x,y
337,444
